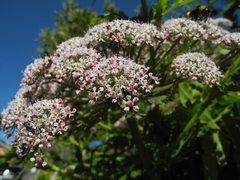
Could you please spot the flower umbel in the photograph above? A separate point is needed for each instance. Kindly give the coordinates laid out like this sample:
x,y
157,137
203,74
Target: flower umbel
x,y
37,124
125,32
116,78
197,66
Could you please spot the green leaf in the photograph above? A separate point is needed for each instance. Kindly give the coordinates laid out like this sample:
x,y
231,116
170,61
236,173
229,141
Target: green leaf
x,y
223,51
187,93
175,5
159,7
157,100
135,173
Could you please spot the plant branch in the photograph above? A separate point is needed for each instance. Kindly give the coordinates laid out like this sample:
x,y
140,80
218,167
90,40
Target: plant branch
x,y
142,151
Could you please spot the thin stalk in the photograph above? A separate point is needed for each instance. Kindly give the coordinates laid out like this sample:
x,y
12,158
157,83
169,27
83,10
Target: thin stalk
x,y
105,126
105,50
62,171
128,50
141,149
139,53
132,50
144,9
235,64
192,45
153,54
63,83
224,56
173,46
228,58
159,89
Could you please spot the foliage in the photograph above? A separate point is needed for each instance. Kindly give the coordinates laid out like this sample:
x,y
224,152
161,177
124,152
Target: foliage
x,y
126,124
71,21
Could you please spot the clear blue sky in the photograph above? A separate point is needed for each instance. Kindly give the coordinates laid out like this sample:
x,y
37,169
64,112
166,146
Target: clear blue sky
x,y
21,21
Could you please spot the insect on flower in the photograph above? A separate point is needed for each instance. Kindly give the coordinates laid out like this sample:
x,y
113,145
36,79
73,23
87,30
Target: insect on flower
x,y
200,13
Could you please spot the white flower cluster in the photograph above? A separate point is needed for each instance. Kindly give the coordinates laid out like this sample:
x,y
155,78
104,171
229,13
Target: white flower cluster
x,y
125,32
116,76
35,124
197,66
232,40
223,22
192,30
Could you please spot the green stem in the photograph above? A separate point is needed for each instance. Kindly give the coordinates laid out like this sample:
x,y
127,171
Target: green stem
x,y
62,171
132,50
105,126
144,9
139,53
231,70
173,46
141,149
159,89
228,57
105,50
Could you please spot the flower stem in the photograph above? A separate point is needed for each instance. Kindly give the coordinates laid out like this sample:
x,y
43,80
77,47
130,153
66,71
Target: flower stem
x,y
159,89
231,70
141,149
170,50
228,57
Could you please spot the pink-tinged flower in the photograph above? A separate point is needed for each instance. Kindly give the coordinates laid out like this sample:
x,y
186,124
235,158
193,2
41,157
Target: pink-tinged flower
x,y
214,33
11,115
39,159
232,40
38,70
35,124
223,22
183,27
71,44
74,64
116,76
197,66
124,32
192,30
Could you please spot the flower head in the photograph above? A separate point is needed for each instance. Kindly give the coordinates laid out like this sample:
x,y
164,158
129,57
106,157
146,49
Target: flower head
x,y
183,27
232,40
36,124
192,30
223,22
116,76
125,32
197,66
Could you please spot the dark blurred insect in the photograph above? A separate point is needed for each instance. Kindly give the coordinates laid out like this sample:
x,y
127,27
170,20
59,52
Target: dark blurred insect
x,y
200,13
